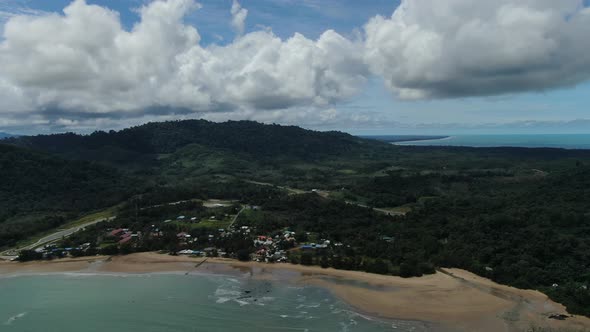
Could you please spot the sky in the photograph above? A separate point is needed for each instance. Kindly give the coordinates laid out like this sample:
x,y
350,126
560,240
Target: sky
x,y
365,67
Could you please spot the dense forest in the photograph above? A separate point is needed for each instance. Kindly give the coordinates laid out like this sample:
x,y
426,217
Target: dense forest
x,y
40,192
261,141
518,216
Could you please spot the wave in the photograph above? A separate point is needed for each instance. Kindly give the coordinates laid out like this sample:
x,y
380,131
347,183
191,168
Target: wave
x,y
222,300
110,274
312,305
14,318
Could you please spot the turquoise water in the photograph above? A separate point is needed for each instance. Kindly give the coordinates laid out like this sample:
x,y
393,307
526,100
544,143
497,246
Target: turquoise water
x,y
580,141
161,303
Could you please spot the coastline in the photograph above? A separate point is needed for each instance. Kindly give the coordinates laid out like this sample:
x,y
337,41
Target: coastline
x,y
528,141
452,299
411,142
394,139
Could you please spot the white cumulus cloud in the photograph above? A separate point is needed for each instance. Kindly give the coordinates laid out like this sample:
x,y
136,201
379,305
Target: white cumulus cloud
x,y
84,60
238,15
455,48
83,66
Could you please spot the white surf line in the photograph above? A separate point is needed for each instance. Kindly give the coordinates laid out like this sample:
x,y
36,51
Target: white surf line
x,y
14,318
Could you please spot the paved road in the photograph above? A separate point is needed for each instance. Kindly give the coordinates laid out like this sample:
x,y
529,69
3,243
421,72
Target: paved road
x,y
236,217
12,253
385,211
290,190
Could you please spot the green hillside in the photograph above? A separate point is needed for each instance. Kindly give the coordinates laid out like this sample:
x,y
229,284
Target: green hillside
x,y
39,191
259,140
518,216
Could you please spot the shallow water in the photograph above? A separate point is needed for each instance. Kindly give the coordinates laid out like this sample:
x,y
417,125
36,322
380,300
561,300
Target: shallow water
x,y
575,141
154,302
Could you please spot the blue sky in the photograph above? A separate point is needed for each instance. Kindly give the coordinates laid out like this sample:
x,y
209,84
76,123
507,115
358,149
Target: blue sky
x,y
285,17
376,107
477,115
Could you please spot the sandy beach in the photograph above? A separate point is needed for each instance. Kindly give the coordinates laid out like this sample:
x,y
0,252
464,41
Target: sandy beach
x,y
451,299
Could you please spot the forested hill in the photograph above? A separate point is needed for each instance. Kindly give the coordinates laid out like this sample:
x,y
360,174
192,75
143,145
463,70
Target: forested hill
x,y
256,139
517,215
36,186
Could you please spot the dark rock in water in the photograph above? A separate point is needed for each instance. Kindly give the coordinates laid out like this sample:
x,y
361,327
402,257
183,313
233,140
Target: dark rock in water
x,y
247,292
558,316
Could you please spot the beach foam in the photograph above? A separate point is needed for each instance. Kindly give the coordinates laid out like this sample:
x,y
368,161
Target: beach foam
x,y
14,318
468,301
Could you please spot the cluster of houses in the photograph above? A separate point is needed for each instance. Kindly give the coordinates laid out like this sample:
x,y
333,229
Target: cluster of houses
x,y
53,250
189,252
207,252
323,245
156,232
185,238
191,219
124,235
245,230
268,249
185,219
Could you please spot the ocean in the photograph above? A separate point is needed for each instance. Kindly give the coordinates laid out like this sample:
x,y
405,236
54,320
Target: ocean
x,y
164,302
579,141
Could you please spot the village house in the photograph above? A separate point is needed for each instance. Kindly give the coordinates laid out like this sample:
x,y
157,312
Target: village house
x,y
126,238
262,240
116,232
189,252
123,235
387,239
156,232
210,251
184,237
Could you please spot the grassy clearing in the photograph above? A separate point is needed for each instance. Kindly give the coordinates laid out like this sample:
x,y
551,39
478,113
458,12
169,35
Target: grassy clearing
x,y
289,190
104,214
205,223
250,217
213,223
385,171
217,203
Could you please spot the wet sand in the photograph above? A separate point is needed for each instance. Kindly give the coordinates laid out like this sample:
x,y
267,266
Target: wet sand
x,y
451,300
